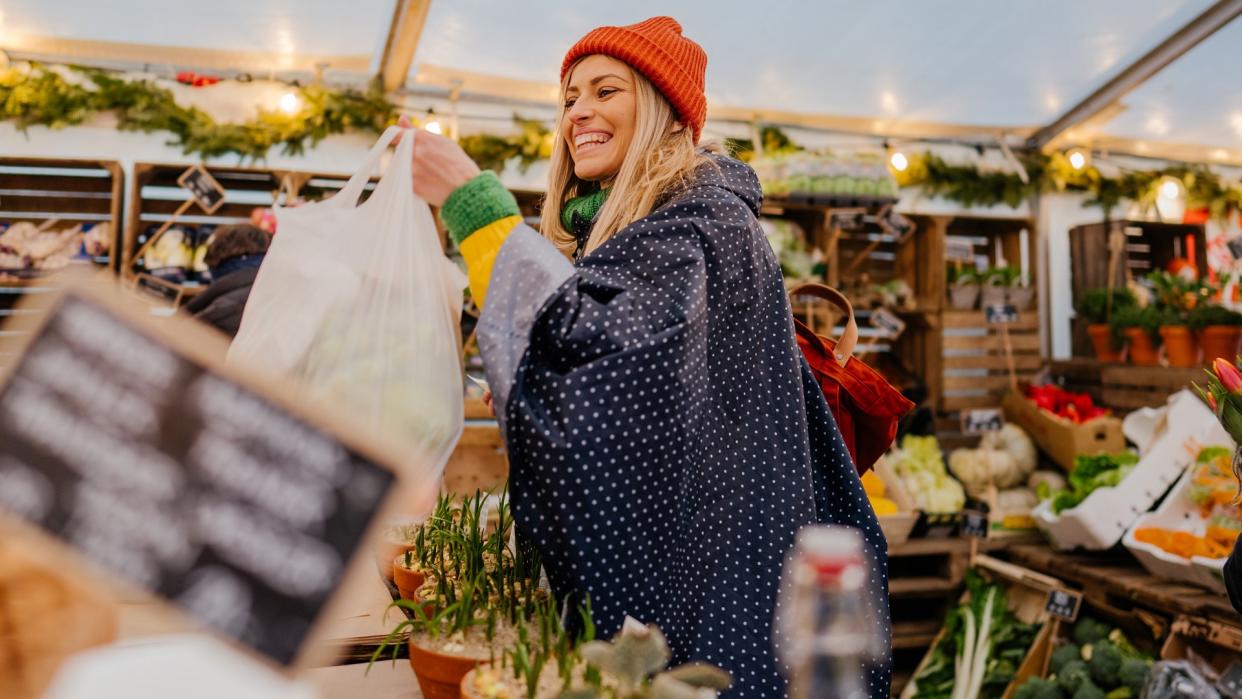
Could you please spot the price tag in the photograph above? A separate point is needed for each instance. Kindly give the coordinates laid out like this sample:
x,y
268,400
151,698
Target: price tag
x,y
1230,682
886,320
203,187
1235,248
982,420
975,524
956,250
131,443
1063,604
1001,314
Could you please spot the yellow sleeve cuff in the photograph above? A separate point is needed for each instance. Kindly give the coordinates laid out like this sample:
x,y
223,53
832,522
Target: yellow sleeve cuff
x,y
479,250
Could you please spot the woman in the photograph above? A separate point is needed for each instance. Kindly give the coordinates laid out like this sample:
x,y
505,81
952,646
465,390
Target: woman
x,y
233,257
666,439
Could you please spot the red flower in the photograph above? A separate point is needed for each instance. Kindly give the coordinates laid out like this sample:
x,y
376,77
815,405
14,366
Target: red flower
x,y
1228,374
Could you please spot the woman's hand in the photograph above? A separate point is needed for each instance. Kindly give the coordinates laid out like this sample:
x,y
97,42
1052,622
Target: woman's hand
x,y
440,165
487,398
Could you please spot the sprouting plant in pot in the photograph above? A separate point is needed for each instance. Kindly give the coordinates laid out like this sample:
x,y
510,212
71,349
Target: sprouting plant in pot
x,y
542,663
963,286
1219,330
1095,307
630,668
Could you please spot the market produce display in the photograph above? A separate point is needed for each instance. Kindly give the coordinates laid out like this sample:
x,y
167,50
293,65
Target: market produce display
x,y
802,172
920,465
1089,474
1097,661
798,260
876,491
25,247
1004,459
980,649
1078,408
1212,489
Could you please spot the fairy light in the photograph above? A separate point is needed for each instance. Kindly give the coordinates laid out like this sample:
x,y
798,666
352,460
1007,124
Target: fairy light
x,y
899,161
1077,158
290,103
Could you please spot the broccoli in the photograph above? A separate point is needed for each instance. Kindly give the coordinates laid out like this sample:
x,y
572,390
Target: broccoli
x,y
1088,630
1133,674
1072,674
1088,690
1123,644
1105,664
1035,688
1062,655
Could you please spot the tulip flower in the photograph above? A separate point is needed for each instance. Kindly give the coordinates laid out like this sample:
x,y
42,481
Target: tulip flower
x,y
1228,374
1211,401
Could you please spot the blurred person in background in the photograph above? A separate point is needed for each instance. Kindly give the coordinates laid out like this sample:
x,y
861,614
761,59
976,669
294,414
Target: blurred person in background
x,y
233,256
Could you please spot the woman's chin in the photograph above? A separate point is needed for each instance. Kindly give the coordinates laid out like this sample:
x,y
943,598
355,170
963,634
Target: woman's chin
x,y
592,171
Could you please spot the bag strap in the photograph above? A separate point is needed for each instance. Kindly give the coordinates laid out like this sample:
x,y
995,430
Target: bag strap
x,y
348,196
849,338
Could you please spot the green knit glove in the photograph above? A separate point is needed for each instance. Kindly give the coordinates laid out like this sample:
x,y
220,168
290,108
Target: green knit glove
x,y
475,204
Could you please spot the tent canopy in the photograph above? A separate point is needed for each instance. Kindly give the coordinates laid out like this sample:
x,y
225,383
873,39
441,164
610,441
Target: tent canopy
x,y
904,69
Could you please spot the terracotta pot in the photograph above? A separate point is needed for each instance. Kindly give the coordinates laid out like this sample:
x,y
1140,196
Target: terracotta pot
x,y
1220,341
439,675
1022,297
1102,341
963,296
994,296
407,581
1180,347
1142,349
386,551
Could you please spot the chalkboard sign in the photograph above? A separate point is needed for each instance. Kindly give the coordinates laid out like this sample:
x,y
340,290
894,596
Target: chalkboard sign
x,y
203,187
980,420
889,322
975,524
1063,604
147,458
1002,314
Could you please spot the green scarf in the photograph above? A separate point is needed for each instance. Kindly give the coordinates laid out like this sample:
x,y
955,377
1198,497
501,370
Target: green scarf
x,y
585,206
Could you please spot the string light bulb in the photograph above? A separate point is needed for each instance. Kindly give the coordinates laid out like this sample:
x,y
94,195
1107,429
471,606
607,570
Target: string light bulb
x,y
1170,188
899,161
1171,199
1078,158
290,103
433,127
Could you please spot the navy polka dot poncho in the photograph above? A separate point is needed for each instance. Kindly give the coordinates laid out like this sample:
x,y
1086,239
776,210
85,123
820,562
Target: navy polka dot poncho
x,y
666,438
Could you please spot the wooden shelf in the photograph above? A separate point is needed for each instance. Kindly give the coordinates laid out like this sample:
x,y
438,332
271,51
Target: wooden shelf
x,y
921,586
915,634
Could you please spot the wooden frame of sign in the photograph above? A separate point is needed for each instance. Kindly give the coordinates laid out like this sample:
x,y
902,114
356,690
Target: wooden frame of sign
x,y
372,462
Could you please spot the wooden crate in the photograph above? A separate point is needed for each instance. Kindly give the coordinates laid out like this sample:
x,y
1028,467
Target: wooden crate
x,y
1218,643
975,368
1148,247
1127,387
155,196
1079,376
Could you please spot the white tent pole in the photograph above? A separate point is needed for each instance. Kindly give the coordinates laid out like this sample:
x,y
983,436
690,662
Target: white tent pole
x,y
1135,74
408,18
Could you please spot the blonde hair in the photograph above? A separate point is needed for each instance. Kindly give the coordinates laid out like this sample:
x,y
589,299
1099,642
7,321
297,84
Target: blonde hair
x,y
659,161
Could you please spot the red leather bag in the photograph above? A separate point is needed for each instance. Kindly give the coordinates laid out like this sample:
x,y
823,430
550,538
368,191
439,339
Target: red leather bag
x,y
865,405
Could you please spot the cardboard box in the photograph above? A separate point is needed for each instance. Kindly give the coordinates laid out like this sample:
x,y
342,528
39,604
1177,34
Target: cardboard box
x,y
1061,439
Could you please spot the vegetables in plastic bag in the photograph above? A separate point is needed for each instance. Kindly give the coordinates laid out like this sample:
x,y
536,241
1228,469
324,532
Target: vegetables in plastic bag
x,y
1178,679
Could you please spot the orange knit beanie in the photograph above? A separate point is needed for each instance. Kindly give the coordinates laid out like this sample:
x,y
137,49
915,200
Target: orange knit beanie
x,y
655,47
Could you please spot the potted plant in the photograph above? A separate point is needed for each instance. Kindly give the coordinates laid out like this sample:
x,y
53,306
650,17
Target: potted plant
x,y
1094,307
1219,330
997,284
1141,327
963,287
1178,296
477,590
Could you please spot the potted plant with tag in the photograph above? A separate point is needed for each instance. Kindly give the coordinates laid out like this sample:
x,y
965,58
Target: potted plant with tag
x,y
1177,296
963,287
1219,330
1094,307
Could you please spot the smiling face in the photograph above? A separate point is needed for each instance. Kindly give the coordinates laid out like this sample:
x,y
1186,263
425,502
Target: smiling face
x,y
600,111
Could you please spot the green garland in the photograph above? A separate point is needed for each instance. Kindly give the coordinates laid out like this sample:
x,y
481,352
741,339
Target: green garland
x,y
43,96
36,95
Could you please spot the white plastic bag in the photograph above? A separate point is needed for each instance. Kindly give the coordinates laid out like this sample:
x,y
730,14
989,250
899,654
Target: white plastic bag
x,y
359,304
